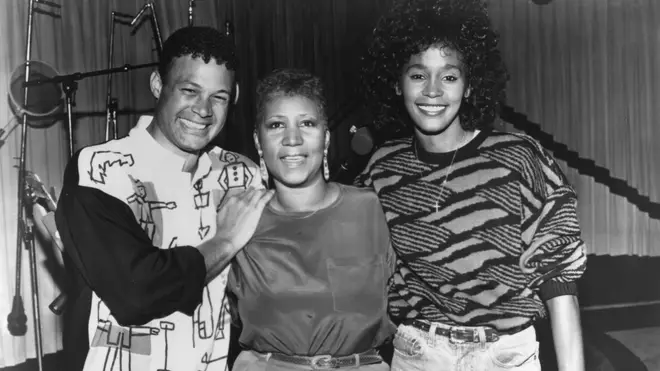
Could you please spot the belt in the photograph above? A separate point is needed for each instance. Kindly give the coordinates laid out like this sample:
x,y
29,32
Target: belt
x,y
456,334
325,361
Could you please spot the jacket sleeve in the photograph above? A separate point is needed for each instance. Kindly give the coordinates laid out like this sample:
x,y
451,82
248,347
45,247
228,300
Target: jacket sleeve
x,y
136,280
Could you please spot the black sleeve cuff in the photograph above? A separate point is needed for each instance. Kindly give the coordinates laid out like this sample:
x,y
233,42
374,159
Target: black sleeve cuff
x,y
196,280
551,289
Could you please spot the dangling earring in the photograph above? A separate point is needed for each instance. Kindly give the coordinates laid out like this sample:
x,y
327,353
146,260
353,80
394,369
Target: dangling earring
x,y
326,170
263,170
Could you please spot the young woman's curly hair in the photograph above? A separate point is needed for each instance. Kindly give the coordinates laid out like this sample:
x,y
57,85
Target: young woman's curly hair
x,y
411,27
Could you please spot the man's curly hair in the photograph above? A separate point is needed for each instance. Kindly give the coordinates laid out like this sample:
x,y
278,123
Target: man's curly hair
x,y
411,27
290,82
198,42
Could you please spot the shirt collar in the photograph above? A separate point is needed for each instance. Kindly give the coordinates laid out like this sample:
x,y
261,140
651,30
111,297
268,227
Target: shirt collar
x,y
160,154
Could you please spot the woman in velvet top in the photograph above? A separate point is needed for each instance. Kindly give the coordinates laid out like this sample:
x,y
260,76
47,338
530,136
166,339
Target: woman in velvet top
x,y
310,288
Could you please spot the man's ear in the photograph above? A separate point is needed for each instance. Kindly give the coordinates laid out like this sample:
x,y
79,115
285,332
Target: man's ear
x,y
397,89
237,93
156,84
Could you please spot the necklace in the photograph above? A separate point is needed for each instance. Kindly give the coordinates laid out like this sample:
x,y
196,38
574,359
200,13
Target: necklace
x,y
449,169
442,185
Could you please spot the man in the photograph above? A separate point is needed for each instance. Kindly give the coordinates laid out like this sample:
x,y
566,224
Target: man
x,y
484,222
149,221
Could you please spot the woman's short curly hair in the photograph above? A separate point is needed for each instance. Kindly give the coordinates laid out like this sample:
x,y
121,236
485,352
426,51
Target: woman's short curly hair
x,y
290,82
411,27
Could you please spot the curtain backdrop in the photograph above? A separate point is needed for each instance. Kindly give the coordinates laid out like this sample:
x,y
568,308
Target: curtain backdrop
x,y
585,70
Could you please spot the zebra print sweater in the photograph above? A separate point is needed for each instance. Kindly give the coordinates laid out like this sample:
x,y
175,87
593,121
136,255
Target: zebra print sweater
x,y
487,247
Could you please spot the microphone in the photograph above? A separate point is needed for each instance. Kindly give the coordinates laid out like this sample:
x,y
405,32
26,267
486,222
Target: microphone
x,y
362,142
58,305
17,320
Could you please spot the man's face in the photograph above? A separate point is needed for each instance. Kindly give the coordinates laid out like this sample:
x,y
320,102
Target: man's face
x,y
193,101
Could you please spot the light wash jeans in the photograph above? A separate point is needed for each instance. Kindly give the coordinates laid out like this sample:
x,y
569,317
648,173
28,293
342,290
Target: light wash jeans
x,y
252,361
415,349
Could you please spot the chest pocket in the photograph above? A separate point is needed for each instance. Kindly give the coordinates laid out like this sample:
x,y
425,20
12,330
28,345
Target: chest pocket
x,y
358,285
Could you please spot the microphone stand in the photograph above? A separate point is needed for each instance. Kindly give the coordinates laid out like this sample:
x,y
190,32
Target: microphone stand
x,y
126,19
149,5
17,320
111,127
229,30
28,238
111,123
191,6
69,86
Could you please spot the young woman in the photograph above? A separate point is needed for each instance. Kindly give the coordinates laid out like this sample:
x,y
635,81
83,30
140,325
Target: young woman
x,y
484,222
311,285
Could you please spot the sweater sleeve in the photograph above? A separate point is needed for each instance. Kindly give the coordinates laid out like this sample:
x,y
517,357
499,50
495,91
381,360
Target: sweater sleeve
x,y
553,255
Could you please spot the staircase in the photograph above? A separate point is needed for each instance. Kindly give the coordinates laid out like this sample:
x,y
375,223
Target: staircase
x,y
583,165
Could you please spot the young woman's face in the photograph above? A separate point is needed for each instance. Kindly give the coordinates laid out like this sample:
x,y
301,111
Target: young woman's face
x,y
433,85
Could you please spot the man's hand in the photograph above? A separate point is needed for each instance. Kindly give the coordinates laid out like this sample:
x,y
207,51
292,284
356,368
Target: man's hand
x,y
239,214
237,219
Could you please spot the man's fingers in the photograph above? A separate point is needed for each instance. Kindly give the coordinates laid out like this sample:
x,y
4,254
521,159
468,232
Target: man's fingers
x,y
254,196
264,198
236,192
250,197
233,194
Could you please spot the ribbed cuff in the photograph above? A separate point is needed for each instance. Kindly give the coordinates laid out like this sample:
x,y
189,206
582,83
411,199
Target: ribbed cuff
x,y
551,289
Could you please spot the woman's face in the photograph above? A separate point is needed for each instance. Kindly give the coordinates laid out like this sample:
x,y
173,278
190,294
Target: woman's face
x,y
433,85
293,136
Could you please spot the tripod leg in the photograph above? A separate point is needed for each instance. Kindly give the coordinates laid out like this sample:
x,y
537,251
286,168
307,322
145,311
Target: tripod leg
x,y
35,297
69,127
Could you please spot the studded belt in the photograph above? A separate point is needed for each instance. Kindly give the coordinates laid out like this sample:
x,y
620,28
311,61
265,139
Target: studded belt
x,y
456,334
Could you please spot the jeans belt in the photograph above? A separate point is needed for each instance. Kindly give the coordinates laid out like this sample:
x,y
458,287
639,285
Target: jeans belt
x,y
326,361
456,334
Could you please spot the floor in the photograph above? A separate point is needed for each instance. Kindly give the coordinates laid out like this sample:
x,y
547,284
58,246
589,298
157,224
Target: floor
x,y
644,343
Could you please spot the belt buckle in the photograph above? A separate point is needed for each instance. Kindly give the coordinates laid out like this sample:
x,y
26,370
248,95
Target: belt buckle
x,y
454,334
325,361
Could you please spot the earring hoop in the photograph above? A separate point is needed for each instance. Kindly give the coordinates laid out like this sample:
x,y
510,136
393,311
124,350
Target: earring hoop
x,y
326,168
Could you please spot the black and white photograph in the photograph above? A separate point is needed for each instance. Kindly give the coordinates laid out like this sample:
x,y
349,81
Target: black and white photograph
x,y
351,185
